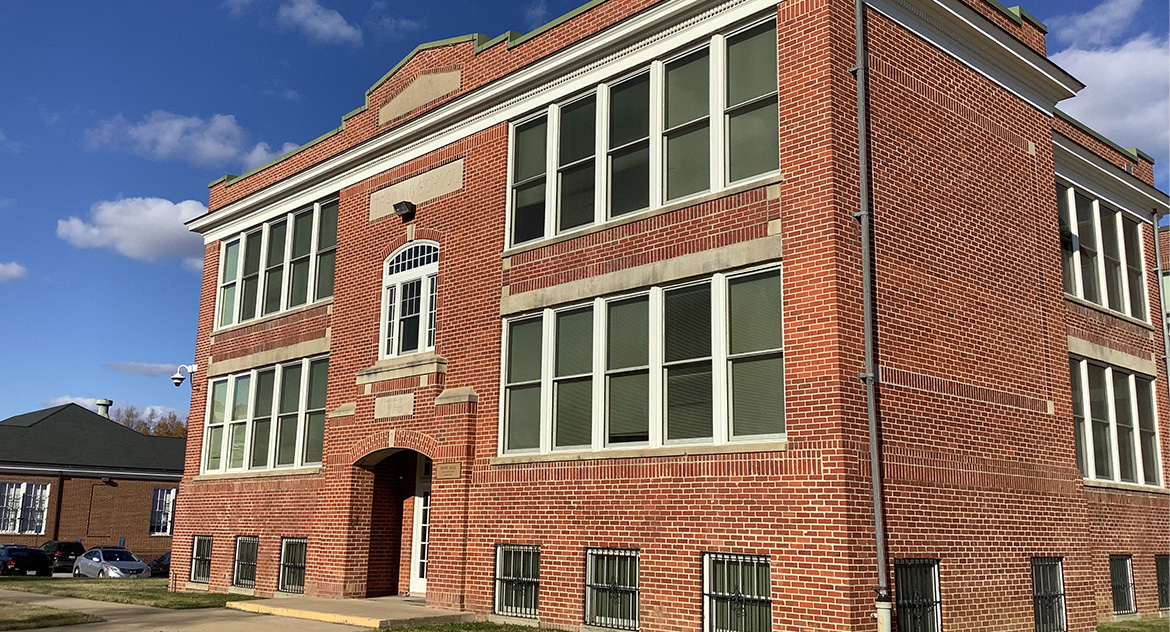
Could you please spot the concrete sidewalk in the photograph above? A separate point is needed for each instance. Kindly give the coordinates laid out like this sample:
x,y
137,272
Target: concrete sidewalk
x,y
370,613
130,618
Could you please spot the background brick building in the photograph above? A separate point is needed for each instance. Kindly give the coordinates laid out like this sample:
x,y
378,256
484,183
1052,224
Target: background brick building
x,y
485,336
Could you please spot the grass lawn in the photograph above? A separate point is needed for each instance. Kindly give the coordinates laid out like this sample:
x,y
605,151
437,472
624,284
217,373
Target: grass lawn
x,y
1150,625
25,616
142,592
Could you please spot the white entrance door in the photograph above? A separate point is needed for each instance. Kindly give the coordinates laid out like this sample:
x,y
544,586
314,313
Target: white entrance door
x,y
420,547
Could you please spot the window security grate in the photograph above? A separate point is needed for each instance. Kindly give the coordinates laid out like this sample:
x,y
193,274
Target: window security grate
x,y
1121,580
736,593
247,546
292,565
919,607
1162,565
201,559
517,580
1048,594
611,588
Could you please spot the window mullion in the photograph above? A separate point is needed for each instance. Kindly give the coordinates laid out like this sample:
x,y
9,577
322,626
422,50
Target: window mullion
x,y
1087,429
1136,433
599,384
1074,227
547,365
238,307
302,404
716,93
285,273
552,174
719,372
1102,276
274,415
657,100
601,155
311,284
262,271
1111,410
657,399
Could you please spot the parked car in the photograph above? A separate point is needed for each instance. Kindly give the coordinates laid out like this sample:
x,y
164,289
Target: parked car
x,y
110,561
17,559
62,554
161,566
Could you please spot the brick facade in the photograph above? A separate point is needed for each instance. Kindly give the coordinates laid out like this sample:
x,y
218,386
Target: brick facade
x,y
973,332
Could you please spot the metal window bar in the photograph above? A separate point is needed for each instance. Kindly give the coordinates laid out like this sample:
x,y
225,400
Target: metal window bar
x,y
737,593
413,257
1162,565
201,559
1048,594
247,547
517,580
1121,580
611,588
918,603
32,515
292,565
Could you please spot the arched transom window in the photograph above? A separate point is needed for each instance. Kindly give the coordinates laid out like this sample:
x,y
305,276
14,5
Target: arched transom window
x,y
409,287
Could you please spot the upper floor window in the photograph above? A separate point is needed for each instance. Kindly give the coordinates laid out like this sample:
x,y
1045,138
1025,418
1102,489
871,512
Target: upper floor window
x,y
22,507
701,362
697,122
1113,416
1101,249
410,280
285,263
270,417
162,511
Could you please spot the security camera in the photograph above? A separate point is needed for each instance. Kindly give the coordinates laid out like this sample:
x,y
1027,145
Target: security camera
x,y
177,379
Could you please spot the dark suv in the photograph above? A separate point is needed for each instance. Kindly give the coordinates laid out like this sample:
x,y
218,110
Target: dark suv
x,y
17,559
62,554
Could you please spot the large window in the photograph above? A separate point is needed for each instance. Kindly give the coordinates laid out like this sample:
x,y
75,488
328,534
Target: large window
x,y
1121,583
267,418
162,511
1101,250
292,565
1114,423
737,593
247,548
201,559
701,362
917,595
1048,594
22,507
409,295
697,122
286,263
517,580
611,588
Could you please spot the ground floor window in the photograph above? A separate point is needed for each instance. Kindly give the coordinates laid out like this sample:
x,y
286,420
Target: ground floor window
x,y
611,588
22,507
737,593
517,580
1121,580
1048,594
917,592
292,564
201,559
245,574
1162,564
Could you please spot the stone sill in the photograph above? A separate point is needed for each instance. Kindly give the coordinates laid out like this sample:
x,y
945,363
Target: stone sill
x,y
412,365
639,453
236,590
197,586
271,317
509,620
1129,487
1108,312
300,471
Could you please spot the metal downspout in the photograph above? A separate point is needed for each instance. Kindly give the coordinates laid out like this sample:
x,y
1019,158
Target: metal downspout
x,y
870,376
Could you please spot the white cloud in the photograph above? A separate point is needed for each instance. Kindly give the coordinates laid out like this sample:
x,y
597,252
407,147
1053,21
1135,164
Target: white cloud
x,y
320,24
380,22
262,154
1099,26
536,14
86,402
13,146
12,271
141,368
146,229
236,8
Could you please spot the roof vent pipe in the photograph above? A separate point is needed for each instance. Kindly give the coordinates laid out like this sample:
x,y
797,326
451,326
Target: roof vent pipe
x,y
103,406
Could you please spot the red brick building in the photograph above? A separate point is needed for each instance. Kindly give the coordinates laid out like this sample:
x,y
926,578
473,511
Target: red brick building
x,y
567,328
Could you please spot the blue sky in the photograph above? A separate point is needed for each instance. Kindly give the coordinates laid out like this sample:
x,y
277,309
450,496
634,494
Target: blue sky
x,y
116,115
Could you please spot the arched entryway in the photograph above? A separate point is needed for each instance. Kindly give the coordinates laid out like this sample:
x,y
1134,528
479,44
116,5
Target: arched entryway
x,y
400,511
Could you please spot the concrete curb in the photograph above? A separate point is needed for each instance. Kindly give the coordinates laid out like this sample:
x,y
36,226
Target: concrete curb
x,y
264,607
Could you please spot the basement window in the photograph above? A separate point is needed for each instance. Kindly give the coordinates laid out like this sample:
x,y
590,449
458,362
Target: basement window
x,y
1048,594
917,595
201,559
517,580
292,565
611,588
247,548
1121,583
737,593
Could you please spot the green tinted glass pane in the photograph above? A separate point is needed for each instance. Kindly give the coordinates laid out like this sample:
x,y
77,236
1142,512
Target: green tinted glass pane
x,y
286,440
688,162
272,287
688,322
218,401
629,111
252,253
687,89
629,187
236,445
318,378
754,140
528,212
574,342
577,196
240,397
574,412
260,430
264,383
325,274
629,407
214,447
1098,397
276,237
688,402
524,342
528,157
523,417
754,312
751,64
299,291
628,329
578,127
290,389
227,305
302,234
248,298
327,227
314,436
757,396
231,261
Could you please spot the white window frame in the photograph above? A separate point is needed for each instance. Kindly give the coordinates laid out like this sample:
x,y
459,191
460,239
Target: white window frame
x,y
509,609
719,173
1102,277
315,253
250,417
1058,564
282,586
591,617
14,497
709,599
390,314
195,551
1128,559
162,510
721,361
241,539
1090,473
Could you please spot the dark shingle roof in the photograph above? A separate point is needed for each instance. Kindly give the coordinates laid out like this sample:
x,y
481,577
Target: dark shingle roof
x,y
71,436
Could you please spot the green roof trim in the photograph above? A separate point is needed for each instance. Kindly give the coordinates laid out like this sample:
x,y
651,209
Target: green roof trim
x,y
1133,152
1023,13
230,179
1019,15
1013,15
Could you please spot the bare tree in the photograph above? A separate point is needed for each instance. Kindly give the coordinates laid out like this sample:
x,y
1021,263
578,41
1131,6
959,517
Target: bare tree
x,y
164,425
